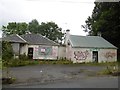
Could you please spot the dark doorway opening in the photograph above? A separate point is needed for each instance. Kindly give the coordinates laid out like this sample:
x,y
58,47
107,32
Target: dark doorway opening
x,y
30,53
95,56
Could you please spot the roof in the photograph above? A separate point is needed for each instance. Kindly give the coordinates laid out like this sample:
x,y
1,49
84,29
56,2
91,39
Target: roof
x,y
90,42
14,38
33,39
36,39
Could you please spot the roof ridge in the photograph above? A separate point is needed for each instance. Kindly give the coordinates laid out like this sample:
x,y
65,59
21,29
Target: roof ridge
x,y
21,37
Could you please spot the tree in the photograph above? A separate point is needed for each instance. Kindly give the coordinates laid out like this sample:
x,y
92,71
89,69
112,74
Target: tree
x,y
106,20
7,51
7,55
33,26
15,28
51,31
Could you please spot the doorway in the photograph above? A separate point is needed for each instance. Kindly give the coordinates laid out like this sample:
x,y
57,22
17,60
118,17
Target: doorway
x,y
95,56
30,53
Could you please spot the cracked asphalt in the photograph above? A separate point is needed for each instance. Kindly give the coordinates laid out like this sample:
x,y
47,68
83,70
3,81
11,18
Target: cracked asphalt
x,y
60,76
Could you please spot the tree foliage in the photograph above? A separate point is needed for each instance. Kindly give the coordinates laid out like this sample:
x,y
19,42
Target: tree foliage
x,y
15,28
51,31
105,19
33,26
7,51
48,29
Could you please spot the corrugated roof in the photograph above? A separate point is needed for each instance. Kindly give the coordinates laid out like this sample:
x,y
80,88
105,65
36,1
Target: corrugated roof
x,y
14,38
36,39
90,42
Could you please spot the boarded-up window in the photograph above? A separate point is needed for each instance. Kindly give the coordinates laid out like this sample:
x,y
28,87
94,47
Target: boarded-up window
x,y
45,50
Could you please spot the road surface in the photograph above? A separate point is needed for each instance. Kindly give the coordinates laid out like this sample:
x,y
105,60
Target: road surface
x,y
61,76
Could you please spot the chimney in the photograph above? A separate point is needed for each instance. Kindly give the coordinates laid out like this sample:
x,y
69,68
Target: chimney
x,y
67,36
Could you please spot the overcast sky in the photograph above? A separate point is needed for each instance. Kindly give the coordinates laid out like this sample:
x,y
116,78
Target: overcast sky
x,y
68,14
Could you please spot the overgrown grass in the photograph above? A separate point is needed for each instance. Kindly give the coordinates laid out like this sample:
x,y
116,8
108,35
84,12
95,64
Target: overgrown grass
x,y
101,64
108,63
18,62
25,62
111,69
55,62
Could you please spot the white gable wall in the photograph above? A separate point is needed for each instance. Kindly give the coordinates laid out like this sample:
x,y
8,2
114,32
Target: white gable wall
x,y
16,48
62,52
24,49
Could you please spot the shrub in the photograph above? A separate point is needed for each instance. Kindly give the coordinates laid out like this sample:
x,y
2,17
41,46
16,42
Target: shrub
x,y
110,70
23,57
7,51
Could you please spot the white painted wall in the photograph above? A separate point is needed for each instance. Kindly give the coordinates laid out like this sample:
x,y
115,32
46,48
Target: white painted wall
x,y
79,55
84,54
69,52
62,52
16,47
24,49
108,55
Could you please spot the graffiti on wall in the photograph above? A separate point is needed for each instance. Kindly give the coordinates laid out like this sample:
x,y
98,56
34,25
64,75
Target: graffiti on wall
x,y
36,49
109,55
45,50
35,54
81,55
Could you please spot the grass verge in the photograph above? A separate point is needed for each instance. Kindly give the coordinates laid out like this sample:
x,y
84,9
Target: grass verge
x,y
110,70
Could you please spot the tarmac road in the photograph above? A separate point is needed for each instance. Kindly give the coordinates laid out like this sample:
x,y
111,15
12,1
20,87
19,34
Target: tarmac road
x,y
93,82
60,76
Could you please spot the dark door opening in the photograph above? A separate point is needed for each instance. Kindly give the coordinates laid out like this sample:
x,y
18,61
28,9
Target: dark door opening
x,y
30,53
95,56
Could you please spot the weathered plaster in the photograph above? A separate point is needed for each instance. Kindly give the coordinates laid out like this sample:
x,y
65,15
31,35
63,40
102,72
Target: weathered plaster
x,y
44,52
24,49
16,48
62,52
81,55
108,55
86,54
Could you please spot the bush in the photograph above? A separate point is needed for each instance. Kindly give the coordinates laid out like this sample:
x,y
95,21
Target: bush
x,y
7,51
23,57
110,70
